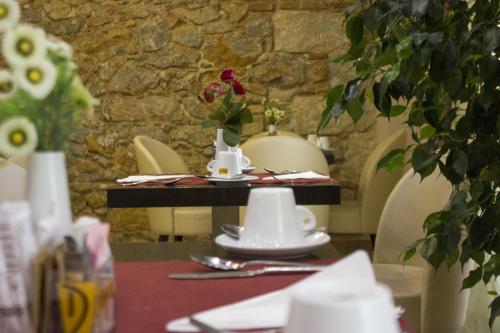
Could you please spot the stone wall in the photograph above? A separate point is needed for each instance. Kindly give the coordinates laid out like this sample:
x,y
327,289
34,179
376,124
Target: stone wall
x,y
147,60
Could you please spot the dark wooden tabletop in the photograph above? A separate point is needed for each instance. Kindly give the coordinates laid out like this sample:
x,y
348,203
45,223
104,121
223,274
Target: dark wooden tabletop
x,y
211,195
161,251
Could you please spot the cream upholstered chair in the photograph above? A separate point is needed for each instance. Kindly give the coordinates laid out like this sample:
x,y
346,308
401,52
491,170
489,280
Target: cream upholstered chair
x,y
154,157
12,181
432,300
288,153
361,216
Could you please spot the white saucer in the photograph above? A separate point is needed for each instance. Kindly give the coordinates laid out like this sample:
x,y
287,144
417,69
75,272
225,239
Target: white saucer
x,y
248,169
231,181
311,242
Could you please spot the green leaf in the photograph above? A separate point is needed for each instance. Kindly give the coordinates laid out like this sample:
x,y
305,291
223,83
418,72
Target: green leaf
x,y
495,311
246,116
459,162
396,110
452,257
410,250
334,95
231,137
355,109
422,159
473,278
453,82
392,160
404,47
354,29
426,132
419,7
492,39
432,222
392,73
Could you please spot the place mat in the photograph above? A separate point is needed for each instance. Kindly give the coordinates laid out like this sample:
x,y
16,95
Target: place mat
x,y
197,181
146,299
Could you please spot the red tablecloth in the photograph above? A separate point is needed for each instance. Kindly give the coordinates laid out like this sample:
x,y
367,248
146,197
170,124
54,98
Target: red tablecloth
x,y
196,181
146,299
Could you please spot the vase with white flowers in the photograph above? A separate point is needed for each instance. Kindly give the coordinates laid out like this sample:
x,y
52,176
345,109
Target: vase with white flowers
x,y
41,96
274,114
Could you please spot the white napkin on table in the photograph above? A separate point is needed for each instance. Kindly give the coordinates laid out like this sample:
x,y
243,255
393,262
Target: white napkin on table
x,y
145,178
271,310
298,175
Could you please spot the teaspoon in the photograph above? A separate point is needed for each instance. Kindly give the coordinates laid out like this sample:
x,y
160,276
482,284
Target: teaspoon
x,y
229,265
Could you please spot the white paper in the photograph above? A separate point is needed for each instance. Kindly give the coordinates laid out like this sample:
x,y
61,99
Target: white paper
x,y
271,310
144,178
299,175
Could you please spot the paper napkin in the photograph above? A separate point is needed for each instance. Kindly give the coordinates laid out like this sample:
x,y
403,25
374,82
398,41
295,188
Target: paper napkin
x,y
271,310
299,175
145,178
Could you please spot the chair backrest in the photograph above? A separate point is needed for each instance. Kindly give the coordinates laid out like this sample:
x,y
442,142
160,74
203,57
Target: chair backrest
x,y
278,133
376,185
286,153
154,157
412,200
12,181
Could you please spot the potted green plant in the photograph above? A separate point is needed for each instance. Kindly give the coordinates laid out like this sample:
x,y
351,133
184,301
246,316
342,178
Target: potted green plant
x,y
437,62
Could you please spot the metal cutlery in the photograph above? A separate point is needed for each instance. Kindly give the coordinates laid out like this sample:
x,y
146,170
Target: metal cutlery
x,y
229,265
280,172
163,181
234,231
246,274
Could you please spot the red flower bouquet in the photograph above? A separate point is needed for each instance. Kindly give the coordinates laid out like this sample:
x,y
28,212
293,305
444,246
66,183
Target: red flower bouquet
x,y
227,106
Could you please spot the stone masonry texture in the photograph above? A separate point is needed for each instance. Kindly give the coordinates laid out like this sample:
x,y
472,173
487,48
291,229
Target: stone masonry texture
x,y
146,61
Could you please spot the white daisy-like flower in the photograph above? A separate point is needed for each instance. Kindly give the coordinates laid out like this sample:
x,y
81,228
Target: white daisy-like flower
x,y
10,13
8,84
24,44
37,78
18,137
59,47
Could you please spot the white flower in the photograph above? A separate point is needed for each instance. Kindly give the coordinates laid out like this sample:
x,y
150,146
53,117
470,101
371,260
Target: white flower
x,y
24,44
18,137
8,84
37,78
10,13
59,47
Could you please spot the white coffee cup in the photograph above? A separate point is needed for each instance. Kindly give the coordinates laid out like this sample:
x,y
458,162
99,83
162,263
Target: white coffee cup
x,y
324,142
227,165
245,161
273,219
340,306
313,138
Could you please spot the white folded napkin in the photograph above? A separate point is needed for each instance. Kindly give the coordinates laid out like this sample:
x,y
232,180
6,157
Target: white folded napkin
x,y
145,178
271,310
298,175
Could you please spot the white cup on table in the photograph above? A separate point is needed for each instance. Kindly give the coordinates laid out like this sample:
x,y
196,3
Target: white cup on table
x,y
324,142
245,161
342,306
313,138
273,219
227,165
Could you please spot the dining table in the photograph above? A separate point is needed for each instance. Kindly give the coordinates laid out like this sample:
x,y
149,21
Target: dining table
x,y
146,299
197,191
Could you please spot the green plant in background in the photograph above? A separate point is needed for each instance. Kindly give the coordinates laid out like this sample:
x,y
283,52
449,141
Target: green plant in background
x,y
437,62
229,112
40,94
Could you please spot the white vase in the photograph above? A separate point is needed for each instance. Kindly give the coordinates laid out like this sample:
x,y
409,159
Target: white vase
x,y
271,130
220,145
48,194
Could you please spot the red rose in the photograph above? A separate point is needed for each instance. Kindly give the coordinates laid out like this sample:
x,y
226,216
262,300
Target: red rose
x,y
212,90
238,88
228,75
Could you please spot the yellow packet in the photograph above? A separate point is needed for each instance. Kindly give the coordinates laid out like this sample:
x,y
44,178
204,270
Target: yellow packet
x,y
77,305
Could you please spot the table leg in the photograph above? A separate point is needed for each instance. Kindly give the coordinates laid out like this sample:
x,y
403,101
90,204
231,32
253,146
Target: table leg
x,y
224,215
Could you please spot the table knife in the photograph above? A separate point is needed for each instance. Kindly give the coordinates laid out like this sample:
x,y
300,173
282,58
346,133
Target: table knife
x,y
243,274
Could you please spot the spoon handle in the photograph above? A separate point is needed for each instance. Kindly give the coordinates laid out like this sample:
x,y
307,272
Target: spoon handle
x,y
279,263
